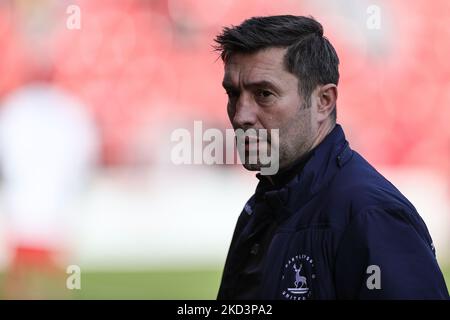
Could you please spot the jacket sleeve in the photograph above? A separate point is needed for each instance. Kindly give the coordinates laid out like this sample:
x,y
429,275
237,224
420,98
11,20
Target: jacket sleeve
x,y
387,253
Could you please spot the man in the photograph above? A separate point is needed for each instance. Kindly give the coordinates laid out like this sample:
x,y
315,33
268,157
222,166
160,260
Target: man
x,y
327,225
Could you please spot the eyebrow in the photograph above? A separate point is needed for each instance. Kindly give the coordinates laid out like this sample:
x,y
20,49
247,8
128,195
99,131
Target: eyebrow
x,y
263,83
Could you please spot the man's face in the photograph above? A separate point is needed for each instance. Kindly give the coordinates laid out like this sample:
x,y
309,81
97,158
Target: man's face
x,y
263,95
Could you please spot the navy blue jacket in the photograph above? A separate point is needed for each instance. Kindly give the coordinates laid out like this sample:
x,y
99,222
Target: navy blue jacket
x,y
342,231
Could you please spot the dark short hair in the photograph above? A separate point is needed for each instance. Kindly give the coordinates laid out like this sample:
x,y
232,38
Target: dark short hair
x,y
310,56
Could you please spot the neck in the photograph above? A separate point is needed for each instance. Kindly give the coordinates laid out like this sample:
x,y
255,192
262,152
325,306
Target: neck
x,y
324,129
287,173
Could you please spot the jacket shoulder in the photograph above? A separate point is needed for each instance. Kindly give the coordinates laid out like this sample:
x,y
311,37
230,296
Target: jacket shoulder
x,y
358,186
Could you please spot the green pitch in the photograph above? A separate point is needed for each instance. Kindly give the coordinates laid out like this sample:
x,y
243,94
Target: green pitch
x,y
189,284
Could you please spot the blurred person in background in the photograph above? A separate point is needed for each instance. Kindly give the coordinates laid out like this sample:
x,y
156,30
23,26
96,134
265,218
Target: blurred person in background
x,y
327,225
47,150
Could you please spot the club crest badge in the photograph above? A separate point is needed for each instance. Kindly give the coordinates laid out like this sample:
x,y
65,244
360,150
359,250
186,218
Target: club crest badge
x,y
297,278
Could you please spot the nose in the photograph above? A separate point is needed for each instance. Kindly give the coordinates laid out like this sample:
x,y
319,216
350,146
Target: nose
x,y
245,115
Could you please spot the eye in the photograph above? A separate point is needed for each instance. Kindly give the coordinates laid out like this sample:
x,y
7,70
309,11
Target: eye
x,y
264,93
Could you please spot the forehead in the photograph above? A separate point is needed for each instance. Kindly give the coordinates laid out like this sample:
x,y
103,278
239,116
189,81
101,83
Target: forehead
x,y
267,64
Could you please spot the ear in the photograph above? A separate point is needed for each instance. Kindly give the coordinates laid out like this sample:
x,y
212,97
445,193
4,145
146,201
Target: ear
x,y
326,97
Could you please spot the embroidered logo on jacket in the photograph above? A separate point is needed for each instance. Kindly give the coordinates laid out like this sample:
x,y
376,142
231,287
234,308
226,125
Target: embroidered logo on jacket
x,y
297,278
